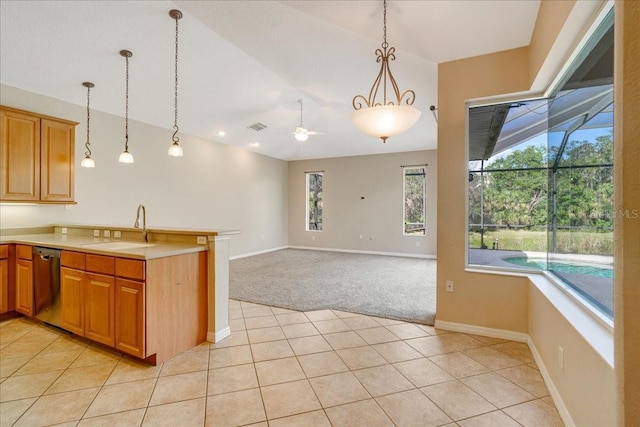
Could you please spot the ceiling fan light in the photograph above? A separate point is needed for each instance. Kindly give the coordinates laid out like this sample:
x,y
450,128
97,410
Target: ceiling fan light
x,y
87,162
175,150
384,121
301,134
126,157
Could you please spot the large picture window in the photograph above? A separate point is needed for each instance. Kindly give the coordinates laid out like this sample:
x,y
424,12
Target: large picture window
x,y
314,200
415,188
541,179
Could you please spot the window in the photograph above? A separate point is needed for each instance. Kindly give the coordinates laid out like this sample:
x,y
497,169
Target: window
x,y
540,193
415,188
314,201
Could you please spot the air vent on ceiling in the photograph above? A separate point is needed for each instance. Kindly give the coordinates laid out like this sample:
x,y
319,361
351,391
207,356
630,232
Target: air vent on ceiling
x,y
257,126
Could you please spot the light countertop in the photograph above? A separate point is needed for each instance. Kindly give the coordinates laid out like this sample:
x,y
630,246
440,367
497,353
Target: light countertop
x,y
88,245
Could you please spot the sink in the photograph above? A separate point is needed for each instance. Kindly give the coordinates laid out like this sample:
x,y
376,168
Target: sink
x,y
118,245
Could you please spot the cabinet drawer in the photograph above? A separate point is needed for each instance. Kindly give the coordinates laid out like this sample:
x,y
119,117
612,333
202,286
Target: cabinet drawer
x,y
73,259
130,268
4,251
101,264
24,252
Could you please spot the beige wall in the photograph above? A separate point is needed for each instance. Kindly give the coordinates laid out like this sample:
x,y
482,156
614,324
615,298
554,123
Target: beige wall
x,y
213,186
377,218
587,382
627,202
479,299
552,15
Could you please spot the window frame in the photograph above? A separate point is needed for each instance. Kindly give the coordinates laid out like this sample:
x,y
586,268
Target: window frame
x,y
306,197
424,200
582,304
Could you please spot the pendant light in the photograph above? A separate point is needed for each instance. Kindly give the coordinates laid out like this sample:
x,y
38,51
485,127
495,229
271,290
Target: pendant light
x,y
88,162
126,156
387,118
175,150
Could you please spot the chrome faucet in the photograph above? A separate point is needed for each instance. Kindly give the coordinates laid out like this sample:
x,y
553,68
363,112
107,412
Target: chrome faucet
x,y
144,221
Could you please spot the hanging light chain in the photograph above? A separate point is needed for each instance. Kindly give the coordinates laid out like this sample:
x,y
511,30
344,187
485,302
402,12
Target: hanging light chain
x,y
175,14
384,27
86,144
126,108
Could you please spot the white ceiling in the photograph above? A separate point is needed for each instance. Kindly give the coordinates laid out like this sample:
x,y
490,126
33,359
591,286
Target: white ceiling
x,y
243,62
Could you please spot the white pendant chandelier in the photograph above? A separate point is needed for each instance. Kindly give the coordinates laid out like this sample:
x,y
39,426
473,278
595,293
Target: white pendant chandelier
x,y
126,157
175,150
88,162
389,117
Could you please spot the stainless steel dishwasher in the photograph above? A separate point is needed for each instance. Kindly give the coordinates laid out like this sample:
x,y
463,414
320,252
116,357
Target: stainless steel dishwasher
x,y
46,284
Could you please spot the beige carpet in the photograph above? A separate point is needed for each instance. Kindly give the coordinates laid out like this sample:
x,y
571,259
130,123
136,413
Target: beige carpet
x,y
393,287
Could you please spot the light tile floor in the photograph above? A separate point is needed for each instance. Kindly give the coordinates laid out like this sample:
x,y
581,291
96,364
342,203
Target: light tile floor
x,y
279,368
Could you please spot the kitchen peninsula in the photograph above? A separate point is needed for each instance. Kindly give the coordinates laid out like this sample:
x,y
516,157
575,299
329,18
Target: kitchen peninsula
x,y
151,293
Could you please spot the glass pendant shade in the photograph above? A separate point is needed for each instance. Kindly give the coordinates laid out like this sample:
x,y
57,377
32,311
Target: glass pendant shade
x,y
175,150
300,134
384,118
126,157
384,121
88,162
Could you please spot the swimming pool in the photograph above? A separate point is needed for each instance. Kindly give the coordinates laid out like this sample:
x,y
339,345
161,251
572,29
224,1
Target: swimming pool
x,y
562,267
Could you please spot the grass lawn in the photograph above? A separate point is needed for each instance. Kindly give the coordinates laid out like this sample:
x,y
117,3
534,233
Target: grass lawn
x,y
575,242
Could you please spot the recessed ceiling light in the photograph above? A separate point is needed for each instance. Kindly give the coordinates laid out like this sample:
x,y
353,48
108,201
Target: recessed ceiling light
x,y
254,144
221,133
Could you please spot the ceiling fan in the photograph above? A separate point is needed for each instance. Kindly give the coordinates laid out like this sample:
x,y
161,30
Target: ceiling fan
x,y
301,133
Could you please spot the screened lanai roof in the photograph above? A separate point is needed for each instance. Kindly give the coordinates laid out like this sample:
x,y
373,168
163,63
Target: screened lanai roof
x,y
584,102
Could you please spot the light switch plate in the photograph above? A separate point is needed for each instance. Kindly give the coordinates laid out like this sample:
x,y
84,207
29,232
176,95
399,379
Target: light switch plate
x,y
117,234
96,233
106,233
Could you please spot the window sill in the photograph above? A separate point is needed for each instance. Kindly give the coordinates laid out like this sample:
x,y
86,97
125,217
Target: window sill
x,y
594,327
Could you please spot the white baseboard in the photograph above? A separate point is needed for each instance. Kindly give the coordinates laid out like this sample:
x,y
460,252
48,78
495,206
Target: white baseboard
x,y
520,337
257,253
218,336
481,330
555,394
354,251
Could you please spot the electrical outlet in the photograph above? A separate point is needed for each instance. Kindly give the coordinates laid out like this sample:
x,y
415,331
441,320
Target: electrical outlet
x,y
262,237
202,240
117,234
361,237
64,230
313,237
449,285
561,357
106,233
96,233
417,244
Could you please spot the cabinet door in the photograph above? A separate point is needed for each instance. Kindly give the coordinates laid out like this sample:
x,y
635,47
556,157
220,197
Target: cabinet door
x,y
20,156
24,287
4,285
56,161
99,302
130,317
71,300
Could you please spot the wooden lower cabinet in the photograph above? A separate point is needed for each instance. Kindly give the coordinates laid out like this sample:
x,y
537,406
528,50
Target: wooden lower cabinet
x,y
130,317
7,280
87,303
4,285
99,303
24,287
72,283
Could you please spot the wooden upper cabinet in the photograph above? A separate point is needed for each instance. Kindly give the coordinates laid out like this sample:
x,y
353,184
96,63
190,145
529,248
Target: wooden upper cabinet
x,y
56,160
20,140
37,157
